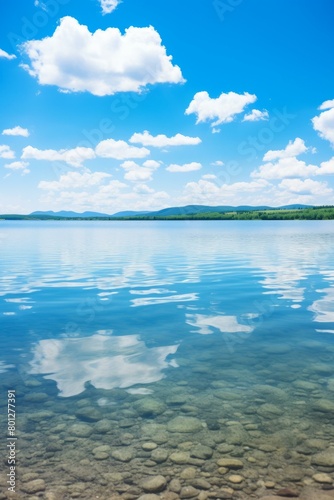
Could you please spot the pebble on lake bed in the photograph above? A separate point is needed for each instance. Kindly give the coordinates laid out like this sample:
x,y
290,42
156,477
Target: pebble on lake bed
x,y
154,484
321,477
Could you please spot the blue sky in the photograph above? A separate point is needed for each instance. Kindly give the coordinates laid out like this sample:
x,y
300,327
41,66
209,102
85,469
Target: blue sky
x,y
110,106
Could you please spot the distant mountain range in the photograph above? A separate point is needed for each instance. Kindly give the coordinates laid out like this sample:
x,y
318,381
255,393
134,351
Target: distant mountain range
x,y
187,210
64,213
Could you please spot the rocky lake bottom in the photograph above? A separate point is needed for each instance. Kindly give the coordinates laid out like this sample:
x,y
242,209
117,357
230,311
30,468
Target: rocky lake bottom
x,y
260,425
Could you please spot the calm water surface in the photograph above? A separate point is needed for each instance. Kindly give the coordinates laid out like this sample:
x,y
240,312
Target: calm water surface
x,y
164,348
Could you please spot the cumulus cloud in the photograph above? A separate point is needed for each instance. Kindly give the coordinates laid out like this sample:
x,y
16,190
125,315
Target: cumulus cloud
x,y
103,63
256,115
161,140
210,193
5,55
74,180
308,186
18,165
187,167
285,167
24,132
217,163
324,123
137,173
223,109
74,157
326,167
109,196
119,150
6,152
294,148
109,6
327,104
143,189
151,164
284,163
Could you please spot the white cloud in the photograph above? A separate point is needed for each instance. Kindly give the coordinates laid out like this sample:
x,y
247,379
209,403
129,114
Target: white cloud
x,y
161,140
108,196
18,165
74,180
139,175
143,189
256,115
187,167
284,167
209,176
74,157
102,63
119,150
294,148
6,152
222,110
284,163
324,123
109,6
206,192
24,132
326,167
112,188
5,55
136,173
217,163
308,186
151,164
327,104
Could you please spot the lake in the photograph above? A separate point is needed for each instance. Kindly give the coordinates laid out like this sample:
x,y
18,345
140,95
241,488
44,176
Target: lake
x,y
170,358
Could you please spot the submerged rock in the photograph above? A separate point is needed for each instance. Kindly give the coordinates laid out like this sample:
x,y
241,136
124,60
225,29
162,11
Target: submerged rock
x,y
34,486
322,368
230,463
323,405
159,455
103,426
154,484
305,385
201,451
184,424
269,410
322,478
88,414
36,397
189,492
180,457
270,393
123,454
149,407
324,458
80,430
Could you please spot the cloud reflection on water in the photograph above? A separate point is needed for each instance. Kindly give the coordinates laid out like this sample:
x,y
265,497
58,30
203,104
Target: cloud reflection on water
x,y
104,360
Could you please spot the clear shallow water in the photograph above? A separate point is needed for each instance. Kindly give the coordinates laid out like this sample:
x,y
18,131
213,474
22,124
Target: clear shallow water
x,y
111,330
